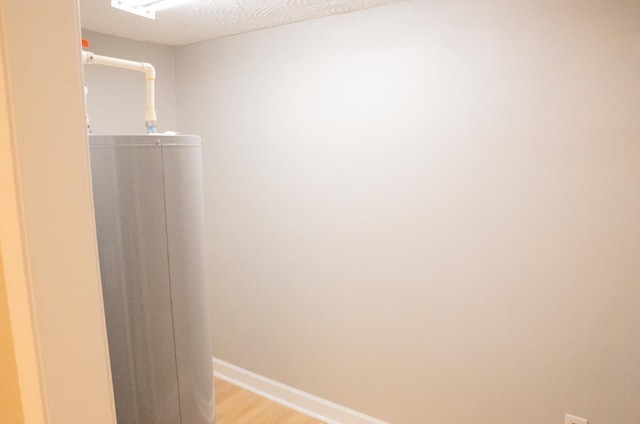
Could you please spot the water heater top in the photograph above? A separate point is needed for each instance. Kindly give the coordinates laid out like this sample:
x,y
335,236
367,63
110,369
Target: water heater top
x,y
149,139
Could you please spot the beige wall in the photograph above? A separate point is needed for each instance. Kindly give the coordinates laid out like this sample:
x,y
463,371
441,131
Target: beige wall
x,y
116,100
429,212
47,234
11,410
20,369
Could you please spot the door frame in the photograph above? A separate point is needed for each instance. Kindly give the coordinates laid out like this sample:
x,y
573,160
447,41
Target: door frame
x,y
47,230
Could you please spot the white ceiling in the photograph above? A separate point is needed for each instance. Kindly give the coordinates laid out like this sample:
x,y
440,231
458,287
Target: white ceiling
x,y
197,20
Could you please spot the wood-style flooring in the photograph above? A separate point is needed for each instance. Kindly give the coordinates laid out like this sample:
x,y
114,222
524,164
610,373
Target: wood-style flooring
x,y
235,405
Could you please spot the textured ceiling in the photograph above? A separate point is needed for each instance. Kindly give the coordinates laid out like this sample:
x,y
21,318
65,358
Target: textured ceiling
x,y
197,20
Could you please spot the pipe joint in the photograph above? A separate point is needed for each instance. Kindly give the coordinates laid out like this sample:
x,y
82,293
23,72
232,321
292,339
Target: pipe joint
x,y
149,71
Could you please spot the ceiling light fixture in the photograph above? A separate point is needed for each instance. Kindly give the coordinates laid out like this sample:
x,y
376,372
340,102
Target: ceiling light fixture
x,y
145,8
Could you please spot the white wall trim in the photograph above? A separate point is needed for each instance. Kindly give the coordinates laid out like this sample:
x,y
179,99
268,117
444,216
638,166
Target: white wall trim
x,y
305,403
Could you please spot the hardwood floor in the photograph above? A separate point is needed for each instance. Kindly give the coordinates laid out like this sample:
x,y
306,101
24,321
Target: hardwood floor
x,y
235,405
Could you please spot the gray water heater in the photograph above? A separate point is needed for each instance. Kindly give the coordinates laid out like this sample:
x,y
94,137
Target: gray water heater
x,y
149,214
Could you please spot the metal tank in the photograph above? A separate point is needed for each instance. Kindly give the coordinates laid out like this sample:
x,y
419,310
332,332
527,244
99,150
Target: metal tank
x,y
149,214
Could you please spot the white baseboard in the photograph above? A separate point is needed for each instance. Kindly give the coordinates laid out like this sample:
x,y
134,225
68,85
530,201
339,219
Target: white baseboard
x,y
305,403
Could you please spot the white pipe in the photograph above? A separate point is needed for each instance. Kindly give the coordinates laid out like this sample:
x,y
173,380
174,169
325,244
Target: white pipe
x,y
86,113
150,75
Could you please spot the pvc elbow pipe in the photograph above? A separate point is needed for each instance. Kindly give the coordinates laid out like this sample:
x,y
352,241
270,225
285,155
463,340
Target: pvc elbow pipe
x,y
151,119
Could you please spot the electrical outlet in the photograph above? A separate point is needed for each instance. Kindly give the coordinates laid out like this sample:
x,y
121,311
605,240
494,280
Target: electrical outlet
x,y
570,419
